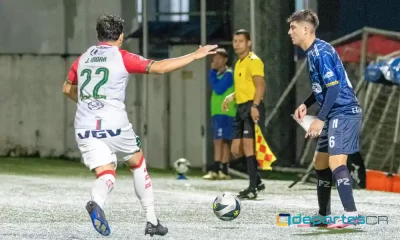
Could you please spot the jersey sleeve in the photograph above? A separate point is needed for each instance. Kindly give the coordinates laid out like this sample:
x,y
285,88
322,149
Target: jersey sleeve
x,y
328,70
135,63
257,67
72,77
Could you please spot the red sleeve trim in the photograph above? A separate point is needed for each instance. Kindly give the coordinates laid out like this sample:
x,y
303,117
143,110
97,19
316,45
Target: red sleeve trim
x,y
135,63
72,77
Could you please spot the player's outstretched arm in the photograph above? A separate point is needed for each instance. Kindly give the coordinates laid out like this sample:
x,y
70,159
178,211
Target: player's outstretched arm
x,y
172,64
71,91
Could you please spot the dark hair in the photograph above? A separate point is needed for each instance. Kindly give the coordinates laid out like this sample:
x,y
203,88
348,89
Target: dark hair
x,y
243,32
306,16
222,52
109,27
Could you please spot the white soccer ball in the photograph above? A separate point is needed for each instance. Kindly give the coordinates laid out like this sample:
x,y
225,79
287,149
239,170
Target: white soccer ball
x,y
226,206
182,166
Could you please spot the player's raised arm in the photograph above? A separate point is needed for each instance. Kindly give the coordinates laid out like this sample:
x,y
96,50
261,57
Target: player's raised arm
x,y
221,85
172,64
70,85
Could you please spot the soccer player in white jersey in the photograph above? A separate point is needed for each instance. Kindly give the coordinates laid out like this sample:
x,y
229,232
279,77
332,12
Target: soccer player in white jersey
x,y
97,82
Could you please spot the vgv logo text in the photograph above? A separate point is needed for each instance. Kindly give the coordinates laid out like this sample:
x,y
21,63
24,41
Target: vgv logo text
x,y
99,133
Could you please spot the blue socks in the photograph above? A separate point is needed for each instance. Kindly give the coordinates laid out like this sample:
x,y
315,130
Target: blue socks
x,y
345,188
324,186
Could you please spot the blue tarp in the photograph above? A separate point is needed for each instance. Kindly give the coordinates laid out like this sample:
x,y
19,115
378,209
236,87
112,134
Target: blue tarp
x,y
384,72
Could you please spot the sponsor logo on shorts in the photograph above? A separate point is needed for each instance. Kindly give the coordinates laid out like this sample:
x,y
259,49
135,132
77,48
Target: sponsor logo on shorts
x,y
99,133
219,132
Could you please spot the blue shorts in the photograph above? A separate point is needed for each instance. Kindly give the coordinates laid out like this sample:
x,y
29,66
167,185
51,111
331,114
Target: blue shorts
x,y
222,127
340,135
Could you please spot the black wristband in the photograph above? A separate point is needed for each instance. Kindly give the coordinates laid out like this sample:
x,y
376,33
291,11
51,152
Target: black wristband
x,y
310,100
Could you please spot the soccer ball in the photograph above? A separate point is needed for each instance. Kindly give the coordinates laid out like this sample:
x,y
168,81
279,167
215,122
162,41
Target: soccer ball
x,y
226,207
182,166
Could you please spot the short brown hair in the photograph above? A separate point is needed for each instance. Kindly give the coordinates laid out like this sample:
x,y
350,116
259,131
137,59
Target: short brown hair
x,y
109,27
222,52
305,15
243,32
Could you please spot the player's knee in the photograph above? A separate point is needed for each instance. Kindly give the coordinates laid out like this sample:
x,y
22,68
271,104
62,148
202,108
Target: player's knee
x,y
218,143
321,160
337,160
136,160
104,170
248,146
235,150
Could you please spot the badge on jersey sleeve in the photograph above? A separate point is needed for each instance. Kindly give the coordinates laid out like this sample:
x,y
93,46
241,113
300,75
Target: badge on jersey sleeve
x,y
316,88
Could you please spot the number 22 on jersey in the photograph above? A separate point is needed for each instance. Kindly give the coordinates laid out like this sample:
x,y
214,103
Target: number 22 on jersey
x,y
93,83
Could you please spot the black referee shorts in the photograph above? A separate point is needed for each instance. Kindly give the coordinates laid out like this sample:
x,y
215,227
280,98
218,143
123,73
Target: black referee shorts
x,y
243,124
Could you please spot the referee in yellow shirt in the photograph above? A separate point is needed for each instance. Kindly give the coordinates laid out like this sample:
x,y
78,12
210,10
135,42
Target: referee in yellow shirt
x,y
249,92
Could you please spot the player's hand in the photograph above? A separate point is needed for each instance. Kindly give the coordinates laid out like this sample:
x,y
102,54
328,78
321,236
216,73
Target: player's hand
x,y
255,114
226,102
213,66
205,51
300,112
315,128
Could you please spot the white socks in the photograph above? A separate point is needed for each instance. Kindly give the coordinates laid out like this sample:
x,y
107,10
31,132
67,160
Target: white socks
x,y
103,185
144,190
105,181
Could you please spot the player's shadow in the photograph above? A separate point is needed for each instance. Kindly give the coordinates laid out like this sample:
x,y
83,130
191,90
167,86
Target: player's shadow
x,y
327,231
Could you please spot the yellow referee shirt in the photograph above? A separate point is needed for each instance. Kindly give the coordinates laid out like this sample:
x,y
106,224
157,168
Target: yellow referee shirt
x,y
245,69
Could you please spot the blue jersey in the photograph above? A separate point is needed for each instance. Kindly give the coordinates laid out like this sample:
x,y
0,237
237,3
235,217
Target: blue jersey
x,y
325,69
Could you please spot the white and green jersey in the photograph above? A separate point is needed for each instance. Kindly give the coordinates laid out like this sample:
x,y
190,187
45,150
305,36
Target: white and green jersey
x,y
101,76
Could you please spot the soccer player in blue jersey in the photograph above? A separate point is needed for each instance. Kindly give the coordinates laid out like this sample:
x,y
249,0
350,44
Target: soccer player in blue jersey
x,y
338,125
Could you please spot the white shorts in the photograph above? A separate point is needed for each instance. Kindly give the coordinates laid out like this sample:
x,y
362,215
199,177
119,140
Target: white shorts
x,y
101,147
